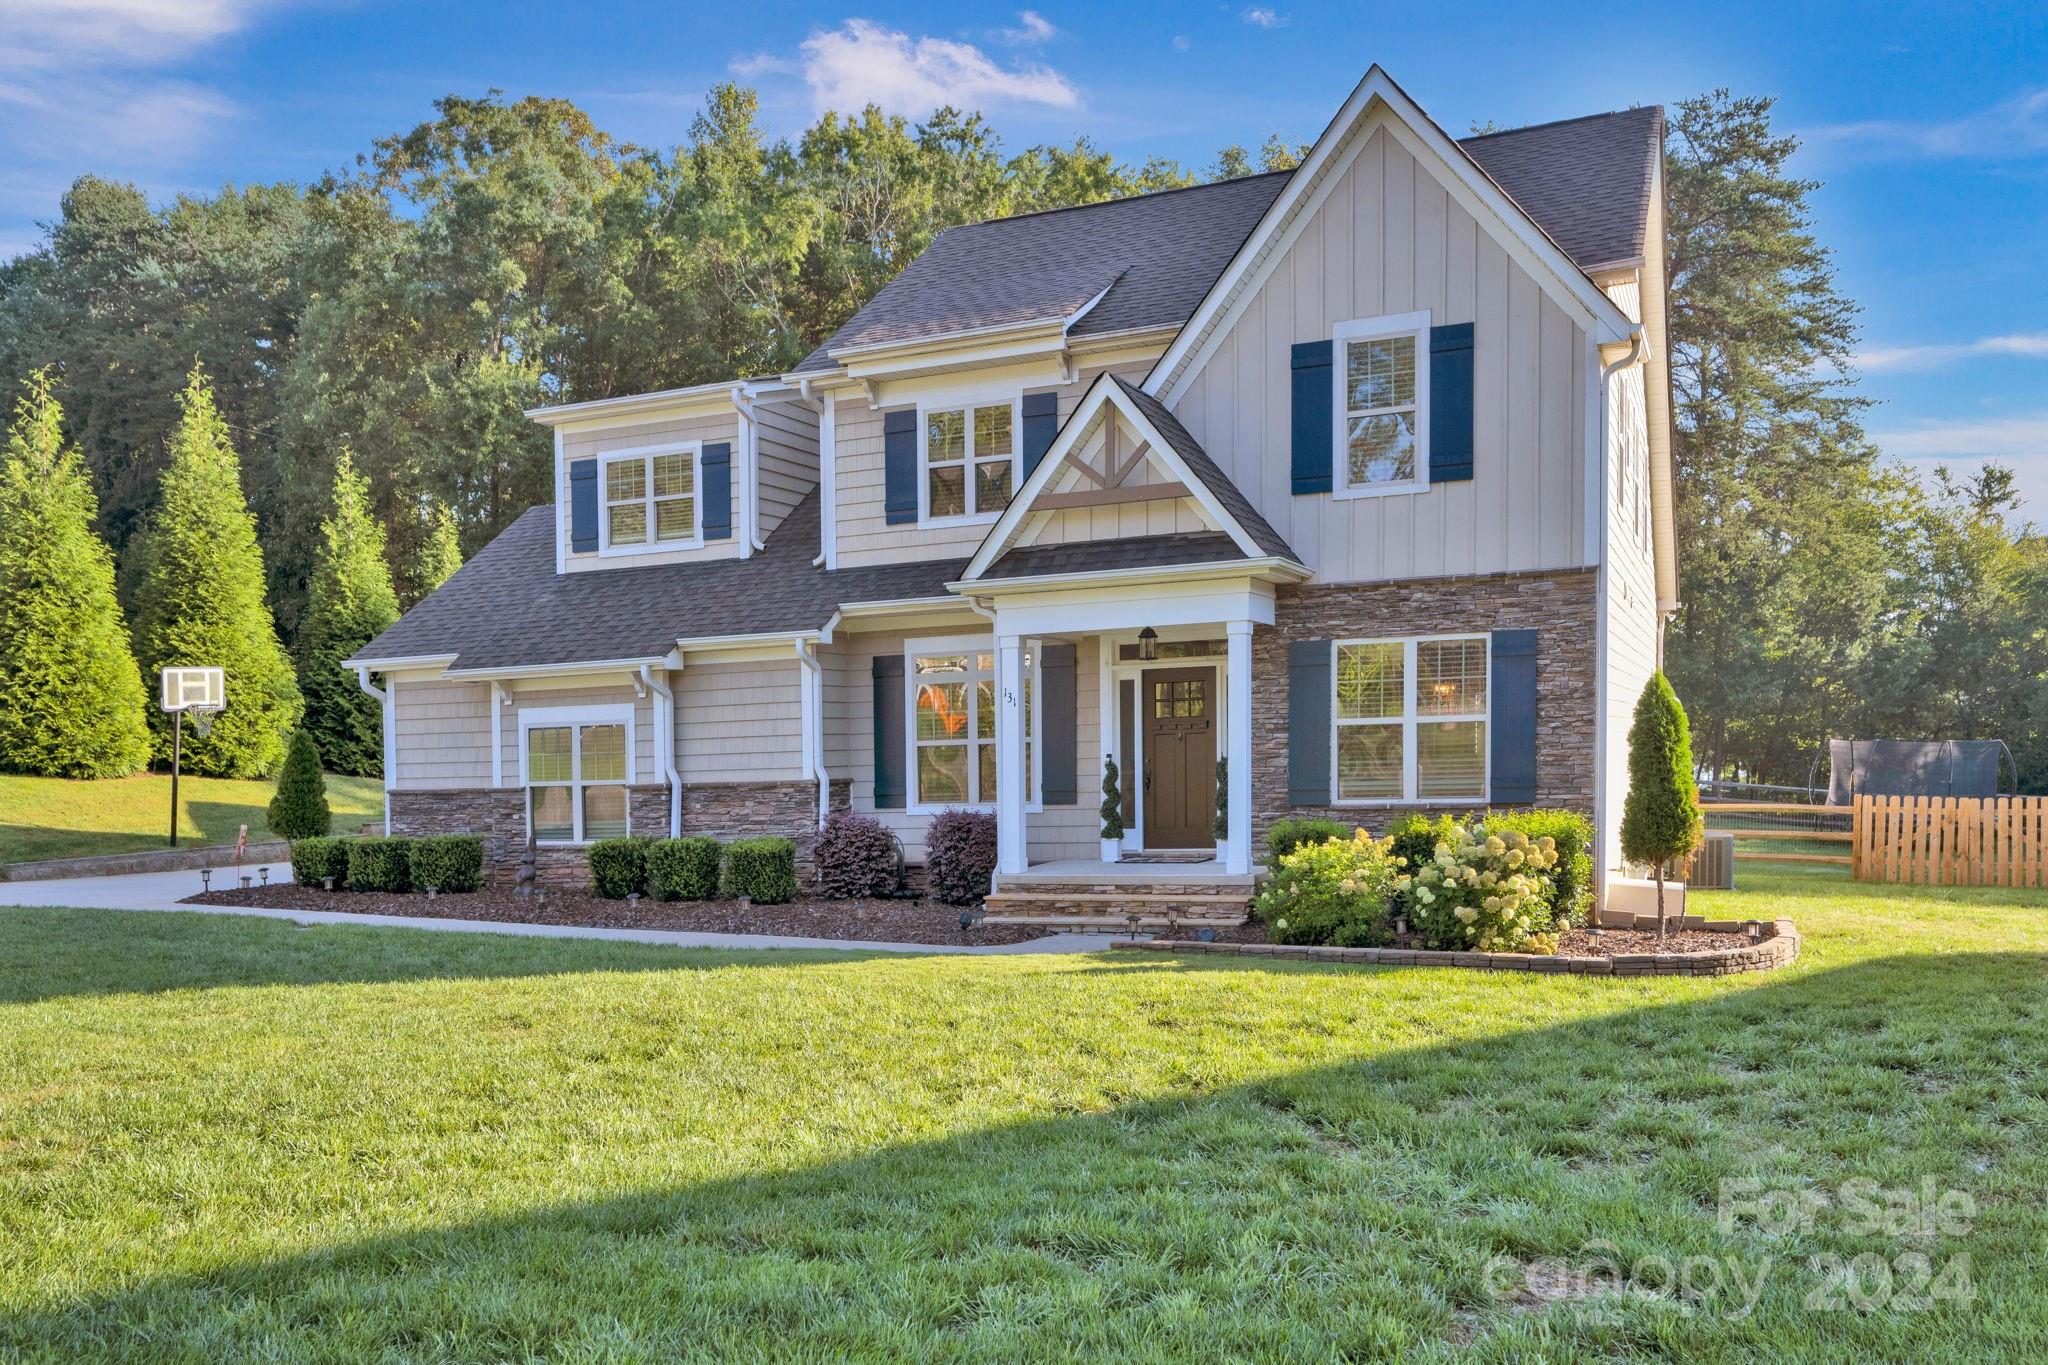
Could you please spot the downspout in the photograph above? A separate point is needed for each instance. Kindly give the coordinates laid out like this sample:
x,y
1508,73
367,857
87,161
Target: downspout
x,y
1636,351
814,725
384,702
665,745
750,454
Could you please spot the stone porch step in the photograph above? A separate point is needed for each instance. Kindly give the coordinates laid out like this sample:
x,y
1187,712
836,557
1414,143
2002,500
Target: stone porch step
x,y
1148,919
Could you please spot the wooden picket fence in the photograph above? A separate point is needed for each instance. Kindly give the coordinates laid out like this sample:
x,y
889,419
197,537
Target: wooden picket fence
x,y
1950,841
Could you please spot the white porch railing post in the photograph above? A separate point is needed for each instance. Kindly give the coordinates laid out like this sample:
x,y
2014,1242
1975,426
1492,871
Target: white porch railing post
x,y
1010,785
1238,747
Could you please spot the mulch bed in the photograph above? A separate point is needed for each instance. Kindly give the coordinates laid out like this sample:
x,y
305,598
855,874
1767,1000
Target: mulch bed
x,y
876,921
1575,942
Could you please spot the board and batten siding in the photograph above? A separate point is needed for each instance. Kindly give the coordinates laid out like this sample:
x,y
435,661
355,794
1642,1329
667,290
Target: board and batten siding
x,y
786,440
1082,524
739,722
864,535
582,445
1389,239
443,735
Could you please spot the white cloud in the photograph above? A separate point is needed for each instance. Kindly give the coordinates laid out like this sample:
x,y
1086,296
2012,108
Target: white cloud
x,y
2014,128
158,120
861,63
1181,43
2020,442
1901,359
1032,28
762,64
73,33
1260,17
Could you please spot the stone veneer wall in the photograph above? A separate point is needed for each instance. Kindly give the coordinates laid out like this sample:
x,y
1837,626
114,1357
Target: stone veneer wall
x,y
1562,605
724,810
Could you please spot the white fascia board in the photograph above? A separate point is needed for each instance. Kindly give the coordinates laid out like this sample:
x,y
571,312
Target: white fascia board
x,y
1266,567
517,672
599,413
1477,192
399,661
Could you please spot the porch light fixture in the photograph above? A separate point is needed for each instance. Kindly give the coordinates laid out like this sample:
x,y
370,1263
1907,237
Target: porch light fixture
x,y
1148,645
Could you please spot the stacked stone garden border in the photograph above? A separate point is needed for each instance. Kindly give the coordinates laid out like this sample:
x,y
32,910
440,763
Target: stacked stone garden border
x,y
1777,944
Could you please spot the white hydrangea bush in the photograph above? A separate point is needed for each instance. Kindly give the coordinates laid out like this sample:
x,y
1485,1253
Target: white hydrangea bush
x,y
1486,892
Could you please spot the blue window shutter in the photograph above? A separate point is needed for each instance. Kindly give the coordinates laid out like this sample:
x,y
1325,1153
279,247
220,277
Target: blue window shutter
x,y
716,472
1313,397
583,505
899,453
1041,424
1450,402
1056,681
1514,718
889,784
1308,723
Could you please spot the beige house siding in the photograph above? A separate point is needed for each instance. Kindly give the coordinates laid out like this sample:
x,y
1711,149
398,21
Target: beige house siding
x,y
530,699
581,445
787,442
739,722
1389,239
443,735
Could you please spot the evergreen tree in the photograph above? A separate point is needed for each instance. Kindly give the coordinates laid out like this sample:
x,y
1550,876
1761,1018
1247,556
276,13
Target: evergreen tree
x,y
1661,819
298,808
200,599
440,553
348,604
71,701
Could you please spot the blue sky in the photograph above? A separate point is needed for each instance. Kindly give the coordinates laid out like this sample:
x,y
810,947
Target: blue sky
x,y
1928,124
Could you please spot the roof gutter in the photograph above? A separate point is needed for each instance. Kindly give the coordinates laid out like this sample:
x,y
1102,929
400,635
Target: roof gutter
x,y
813,703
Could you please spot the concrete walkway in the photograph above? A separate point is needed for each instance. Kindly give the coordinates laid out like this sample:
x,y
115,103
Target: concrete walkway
x,y
163,890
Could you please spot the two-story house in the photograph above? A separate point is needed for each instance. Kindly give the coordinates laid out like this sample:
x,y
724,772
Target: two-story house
x,y
1354,478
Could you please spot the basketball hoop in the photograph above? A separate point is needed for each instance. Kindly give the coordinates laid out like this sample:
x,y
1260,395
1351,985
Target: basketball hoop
x,y
201,691
202,719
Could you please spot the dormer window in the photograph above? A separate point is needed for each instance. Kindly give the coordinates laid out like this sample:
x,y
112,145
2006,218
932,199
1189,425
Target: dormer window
x,y
1382,378
969,460
650,499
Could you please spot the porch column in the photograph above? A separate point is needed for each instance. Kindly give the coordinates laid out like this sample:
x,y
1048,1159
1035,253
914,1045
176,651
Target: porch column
x,y
1238,742
1010,788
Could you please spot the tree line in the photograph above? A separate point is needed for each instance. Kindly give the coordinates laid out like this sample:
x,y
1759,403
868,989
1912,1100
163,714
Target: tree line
x,y
368,344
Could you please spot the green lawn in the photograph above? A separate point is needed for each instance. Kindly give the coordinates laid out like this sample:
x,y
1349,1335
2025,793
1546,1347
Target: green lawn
x,y
235,1138
51,817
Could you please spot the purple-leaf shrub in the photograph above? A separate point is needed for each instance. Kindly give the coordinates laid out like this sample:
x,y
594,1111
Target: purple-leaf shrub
x,y
856,856
960,855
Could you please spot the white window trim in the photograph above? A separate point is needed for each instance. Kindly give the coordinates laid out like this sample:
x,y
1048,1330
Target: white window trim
x,y
574,718
1034,800
1409,719
1373,329
646,455
967,400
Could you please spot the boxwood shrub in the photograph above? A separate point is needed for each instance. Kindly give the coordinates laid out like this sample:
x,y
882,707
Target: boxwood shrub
x,y
763,869
618,867
683,869
1291,833
322,856
856,857
960,855
380,864
448,862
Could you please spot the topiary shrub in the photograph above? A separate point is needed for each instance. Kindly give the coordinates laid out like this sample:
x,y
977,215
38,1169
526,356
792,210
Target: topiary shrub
x,y
618,867
684,869
1337,891
856,857
763,869
448,862
318,858
1572,876
380,864
960,855
1292,833
1660,820
1111,811
298,808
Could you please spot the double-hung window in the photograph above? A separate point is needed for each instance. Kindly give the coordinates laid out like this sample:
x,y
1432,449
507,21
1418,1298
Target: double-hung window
x,y
1411,719
969,459
650,498
576,763
952,728
1382,390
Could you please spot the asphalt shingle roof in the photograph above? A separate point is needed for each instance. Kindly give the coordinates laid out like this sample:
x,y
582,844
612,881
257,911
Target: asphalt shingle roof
x,y
1131,552
1586,181
507,608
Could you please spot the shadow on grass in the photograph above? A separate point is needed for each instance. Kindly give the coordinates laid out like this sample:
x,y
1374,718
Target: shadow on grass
x,y
1342,1210
52,953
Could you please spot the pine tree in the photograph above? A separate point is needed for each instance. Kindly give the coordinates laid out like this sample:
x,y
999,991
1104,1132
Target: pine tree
x,y
348,604
440,553
1661,819
200,599
71,700
298,808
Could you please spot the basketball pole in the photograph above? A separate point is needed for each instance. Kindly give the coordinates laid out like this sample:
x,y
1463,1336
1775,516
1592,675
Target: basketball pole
x,y
177,756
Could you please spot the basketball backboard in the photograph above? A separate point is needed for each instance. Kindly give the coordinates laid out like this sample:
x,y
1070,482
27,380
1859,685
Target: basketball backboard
x,y
193,689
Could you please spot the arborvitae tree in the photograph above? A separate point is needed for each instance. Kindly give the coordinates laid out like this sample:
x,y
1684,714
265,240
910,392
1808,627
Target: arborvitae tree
x,y
71,699
298,809
1661,819
200,599
440,553
348,604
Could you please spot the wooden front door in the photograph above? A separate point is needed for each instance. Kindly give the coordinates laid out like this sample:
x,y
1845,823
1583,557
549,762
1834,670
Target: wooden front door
x,y
1180,757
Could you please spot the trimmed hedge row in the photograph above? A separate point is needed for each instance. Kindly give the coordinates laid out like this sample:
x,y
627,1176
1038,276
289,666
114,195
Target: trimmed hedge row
x,y
695,868
445,862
